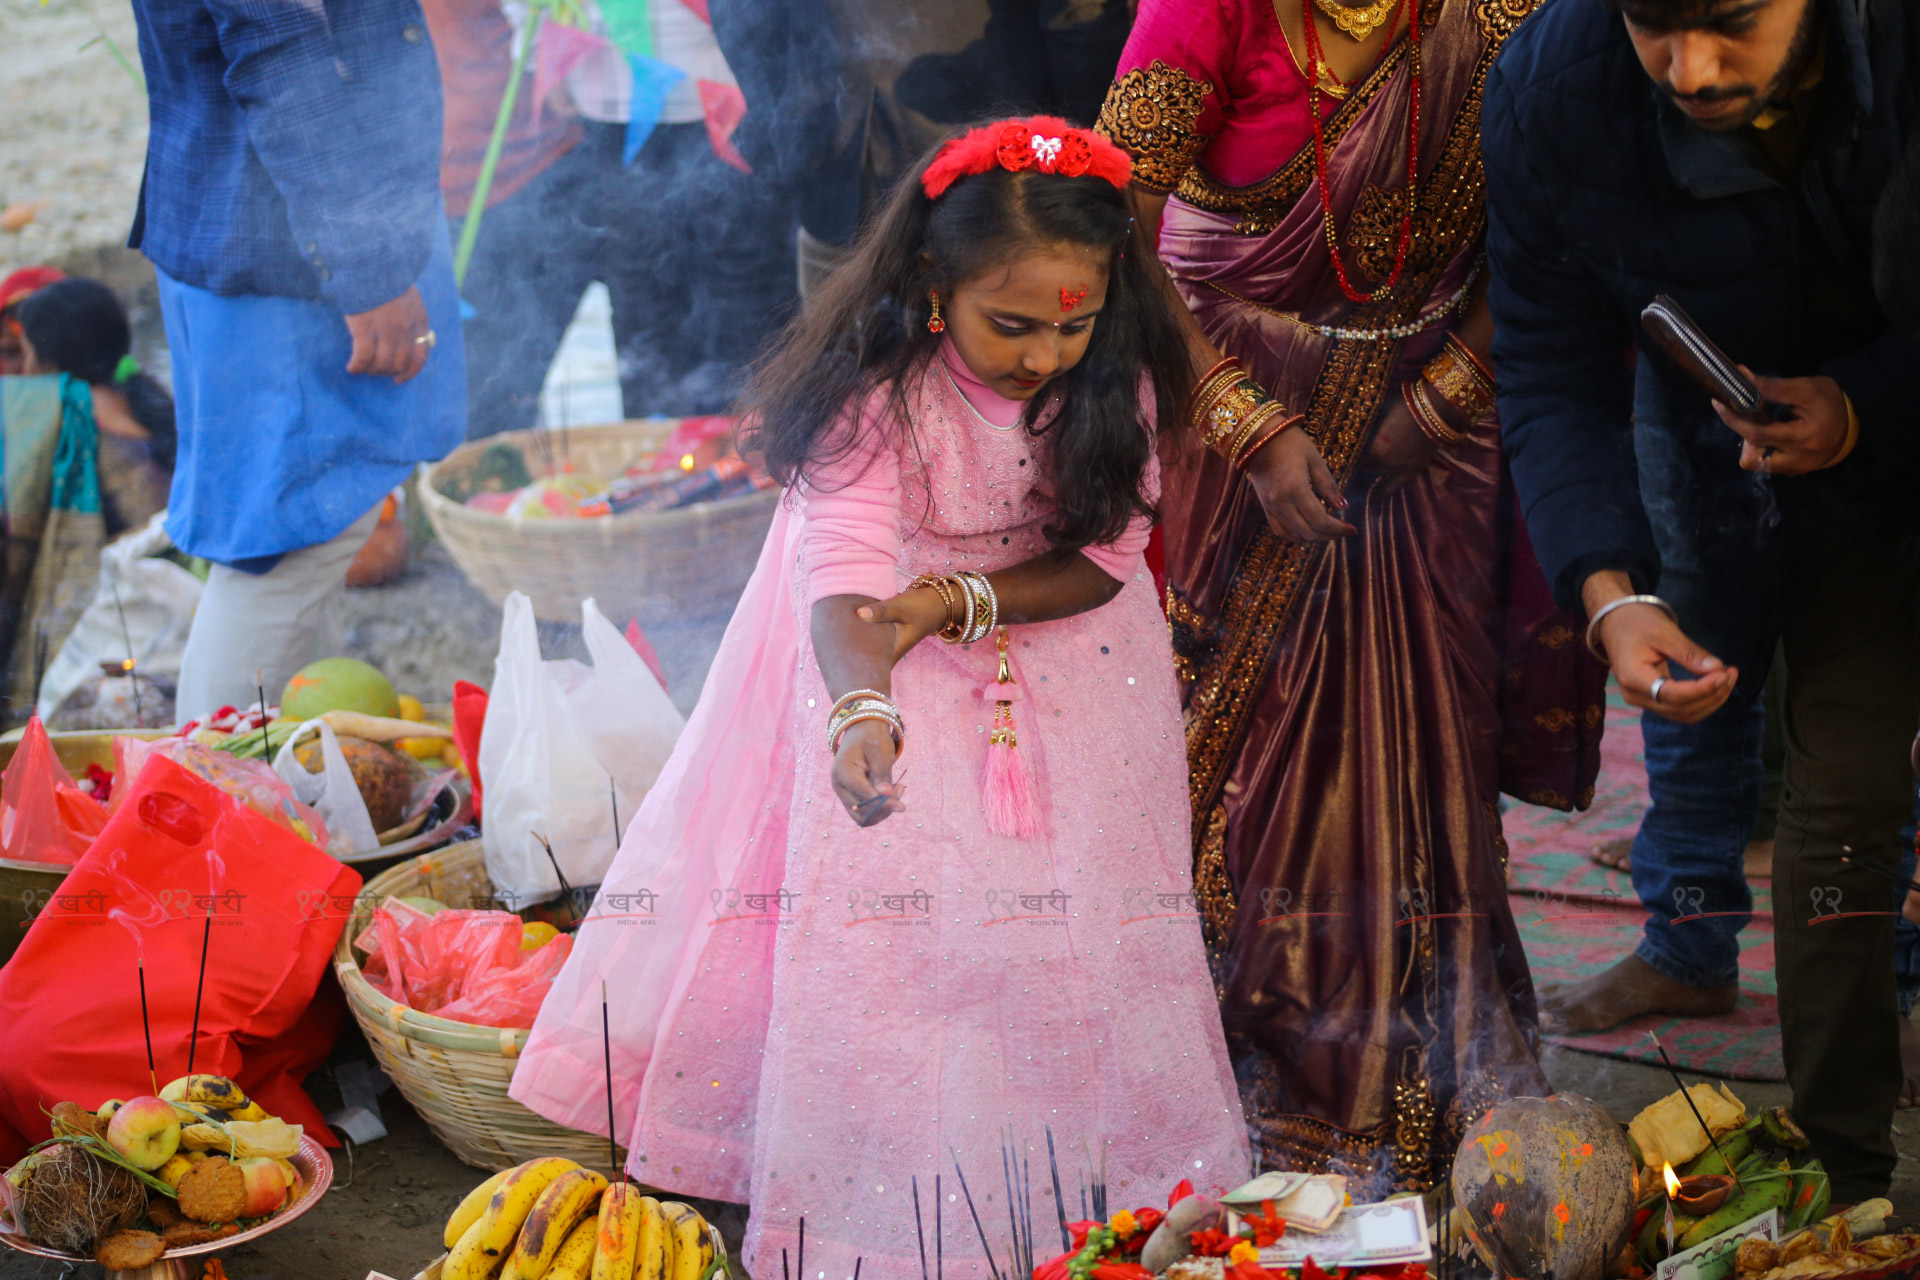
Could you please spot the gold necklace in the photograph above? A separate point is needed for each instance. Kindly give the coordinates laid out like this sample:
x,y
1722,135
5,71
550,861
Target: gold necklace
x,y
1358,23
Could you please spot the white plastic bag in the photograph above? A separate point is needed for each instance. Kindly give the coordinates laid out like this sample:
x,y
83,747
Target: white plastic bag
x,y
332,792
158,598
563,743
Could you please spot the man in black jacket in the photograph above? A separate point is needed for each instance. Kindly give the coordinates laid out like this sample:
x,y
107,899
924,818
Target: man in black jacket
x,y
1730,153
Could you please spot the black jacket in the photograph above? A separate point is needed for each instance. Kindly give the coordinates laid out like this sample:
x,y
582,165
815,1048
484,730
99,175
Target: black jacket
x,y
1601,194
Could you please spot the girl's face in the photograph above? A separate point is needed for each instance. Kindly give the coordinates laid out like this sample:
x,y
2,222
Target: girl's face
x,y
1020,326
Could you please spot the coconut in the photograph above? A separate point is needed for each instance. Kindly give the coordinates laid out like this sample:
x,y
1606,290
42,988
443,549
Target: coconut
x,y
71,1199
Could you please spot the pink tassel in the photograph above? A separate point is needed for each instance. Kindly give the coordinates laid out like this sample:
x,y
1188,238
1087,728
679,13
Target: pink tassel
x,y
1005,787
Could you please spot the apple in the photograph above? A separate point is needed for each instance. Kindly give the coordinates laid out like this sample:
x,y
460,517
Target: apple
x,y
266,1186
107,1109
146,1131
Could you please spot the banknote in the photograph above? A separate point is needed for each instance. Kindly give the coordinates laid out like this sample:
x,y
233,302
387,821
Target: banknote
x,y
1394,1231
1713,1259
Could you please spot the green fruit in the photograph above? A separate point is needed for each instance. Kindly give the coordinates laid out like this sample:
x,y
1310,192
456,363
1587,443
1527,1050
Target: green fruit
x,y
1781,1128
1756,1199
1733,1147
338,684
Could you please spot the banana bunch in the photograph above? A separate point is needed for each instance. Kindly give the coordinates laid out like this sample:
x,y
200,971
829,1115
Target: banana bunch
x,y
551,1219
215,1099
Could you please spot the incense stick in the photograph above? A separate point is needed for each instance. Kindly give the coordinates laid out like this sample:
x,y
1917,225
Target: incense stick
x,y
260,683
206,941
139,715
146,1026
800,1250
856,1266
1711,1140
939,1236
1013,1223
919,1231
565,888
606,1048
1893,877
965,1191
1059,1201
784,1273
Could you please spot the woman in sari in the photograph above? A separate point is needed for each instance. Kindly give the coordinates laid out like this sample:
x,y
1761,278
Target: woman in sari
x,y
1368,654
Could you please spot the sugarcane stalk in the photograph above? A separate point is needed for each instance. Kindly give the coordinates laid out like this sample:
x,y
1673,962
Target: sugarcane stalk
x,y
470,226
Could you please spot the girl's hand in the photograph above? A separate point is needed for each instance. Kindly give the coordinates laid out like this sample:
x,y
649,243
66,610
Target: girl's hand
x,y
915,615
863,773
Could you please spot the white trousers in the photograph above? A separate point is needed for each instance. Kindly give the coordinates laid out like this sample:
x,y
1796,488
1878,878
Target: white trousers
x,y
274,623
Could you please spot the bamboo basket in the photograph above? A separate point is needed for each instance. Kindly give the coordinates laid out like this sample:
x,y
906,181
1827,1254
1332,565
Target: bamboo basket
x,y
453,1073
657,566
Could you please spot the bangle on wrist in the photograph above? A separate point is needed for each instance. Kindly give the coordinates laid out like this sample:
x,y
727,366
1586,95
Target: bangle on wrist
x,y
1621,602
1425,416
1458,378
983,612
864,704
1264,434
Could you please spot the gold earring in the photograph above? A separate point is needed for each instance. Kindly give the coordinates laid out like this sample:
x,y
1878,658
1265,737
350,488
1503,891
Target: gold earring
x,y
934,323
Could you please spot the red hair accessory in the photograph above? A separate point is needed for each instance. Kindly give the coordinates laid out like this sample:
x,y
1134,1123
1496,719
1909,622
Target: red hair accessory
x,y
1046,143
27,280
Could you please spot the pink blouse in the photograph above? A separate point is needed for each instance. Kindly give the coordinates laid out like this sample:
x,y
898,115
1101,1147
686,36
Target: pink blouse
x,y
854,534
1212,81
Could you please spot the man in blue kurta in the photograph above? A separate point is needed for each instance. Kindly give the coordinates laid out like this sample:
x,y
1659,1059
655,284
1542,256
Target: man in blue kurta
x,y
291,207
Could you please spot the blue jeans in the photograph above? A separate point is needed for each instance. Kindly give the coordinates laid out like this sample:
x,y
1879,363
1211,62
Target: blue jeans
x,y
1704,781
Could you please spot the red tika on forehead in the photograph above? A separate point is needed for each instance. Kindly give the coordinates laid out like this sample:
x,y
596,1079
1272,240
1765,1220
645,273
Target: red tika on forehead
x,y
1069,299
1045,143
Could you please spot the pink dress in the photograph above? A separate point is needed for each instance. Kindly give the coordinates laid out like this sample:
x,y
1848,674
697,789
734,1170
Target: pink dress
x,y
807,1014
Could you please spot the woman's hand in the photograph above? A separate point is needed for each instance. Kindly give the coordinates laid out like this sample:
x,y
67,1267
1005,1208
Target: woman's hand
x,y
1400,449
863,773
1294,487
915,615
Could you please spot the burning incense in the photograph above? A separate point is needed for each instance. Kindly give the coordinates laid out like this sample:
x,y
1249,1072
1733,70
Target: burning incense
x,y
260,683
1893,877
1711,1141
565,888
139,715
1059,1201
214,870
146,1027
919,1231
606,1049
965,1191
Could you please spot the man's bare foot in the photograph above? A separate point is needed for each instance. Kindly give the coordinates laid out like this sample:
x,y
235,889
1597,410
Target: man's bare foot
x,y
1909,1063
1628,989
1759,860
1615,854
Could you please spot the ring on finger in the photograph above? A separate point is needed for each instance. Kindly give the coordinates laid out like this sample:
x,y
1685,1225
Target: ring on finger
x,y
1659,683
427,339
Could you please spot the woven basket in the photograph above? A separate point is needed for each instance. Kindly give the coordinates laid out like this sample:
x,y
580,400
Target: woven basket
x,y
454,1073
657,566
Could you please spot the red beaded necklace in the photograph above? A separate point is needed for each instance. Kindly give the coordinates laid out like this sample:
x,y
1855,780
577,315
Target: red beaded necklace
x,y
1314,89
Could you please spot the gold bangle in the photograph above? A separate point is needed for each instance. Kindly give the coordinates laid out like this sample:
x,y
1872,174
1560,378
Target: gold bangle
x,y
1219,380
1259,442
849,696
893,722
1231,413
946,586
986,605
1426,417
1471,358
1458,383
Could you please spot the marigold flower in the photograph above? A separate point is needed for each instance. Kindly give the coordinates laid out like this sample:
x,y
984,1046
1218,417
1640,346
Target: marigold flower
x,y
1243,1251
1123,1224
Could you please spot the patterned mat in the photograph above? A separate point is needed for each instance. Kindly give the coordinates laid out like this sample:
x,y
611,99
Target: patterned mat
x,y
1577,917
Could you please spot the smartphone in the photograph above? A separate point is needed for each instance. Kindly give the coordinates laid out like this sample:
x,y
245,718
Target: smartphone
x,y
1675,333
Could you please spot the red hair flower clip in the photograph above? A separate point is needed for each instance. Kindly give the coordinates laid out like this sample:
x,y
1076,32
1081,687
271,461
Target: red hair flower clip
x,y
1046,143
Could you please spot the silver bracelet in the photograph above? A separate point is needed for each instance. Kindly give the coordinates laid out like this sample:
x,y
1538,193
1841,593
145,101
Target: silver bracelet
x,y
983,612
1593,623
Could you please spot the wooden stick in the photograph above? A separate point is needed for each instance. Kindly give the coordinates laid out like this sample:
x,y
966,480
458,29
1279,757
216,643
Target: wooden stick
x,y
470,226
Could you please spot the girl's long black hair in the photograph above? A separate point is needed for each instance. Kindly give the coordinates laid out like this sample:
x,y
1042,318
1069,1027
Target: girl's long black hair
x,y
866,328
79,327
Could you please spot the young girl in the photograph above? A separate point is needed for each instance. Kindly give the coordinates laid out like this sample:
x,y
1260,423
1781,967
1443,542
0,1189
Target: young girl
x,y
871,922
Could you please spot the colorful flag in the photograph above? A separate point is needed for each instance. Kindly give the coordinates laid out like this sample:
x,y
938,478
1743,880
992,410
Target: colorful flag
x,y
557,52
725,107
652,81
700,8
630,26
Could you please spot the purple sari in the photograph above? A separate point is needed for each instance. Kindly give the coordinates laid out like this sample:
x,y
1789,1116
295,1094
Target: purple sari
x,y
1355,709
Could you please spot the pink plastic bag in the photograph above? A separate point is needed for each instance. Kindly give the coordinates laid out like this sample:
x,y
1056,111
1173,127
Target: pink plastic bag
x,y
463,965
44,817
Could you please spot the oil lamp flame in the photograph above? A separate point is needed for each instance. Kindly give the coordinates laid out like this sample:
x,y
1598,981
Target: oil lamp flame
x,y
1673,1183
126,664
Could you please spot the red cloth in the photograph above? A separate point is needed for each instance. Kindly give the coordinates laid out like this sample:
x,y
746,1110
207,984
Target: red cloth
x,y
474,43
27,280
70,997
469,714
